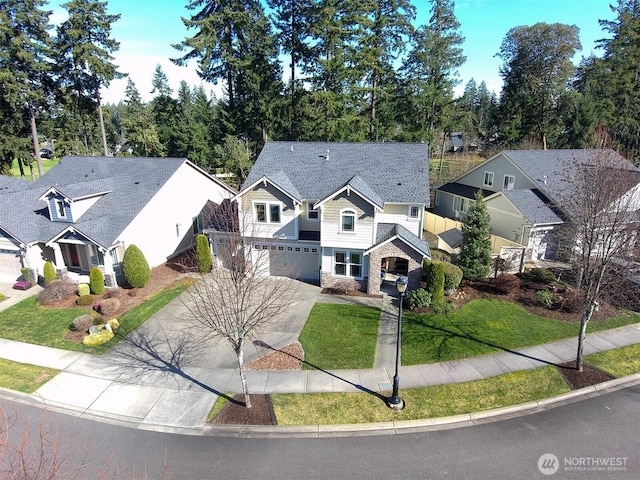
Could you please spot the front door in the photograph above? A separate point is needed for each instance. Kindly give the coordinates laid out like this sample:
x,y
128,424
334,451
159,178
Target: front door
x,y
73,254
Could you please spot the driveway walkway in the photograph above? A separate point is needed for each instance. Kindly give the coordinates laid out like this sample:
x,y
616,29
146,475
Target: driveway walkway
x,y
161,378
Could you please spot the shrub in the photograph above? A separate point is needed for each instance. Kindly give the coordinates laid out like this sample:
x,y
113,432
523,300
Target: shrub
x,y
546,298
49,272
94,339
542,275
440,255
109,306
506,282
56,291
452,276
83,289
443,307
96,281
82,323
84,300
418,298
203,252
114,324
435,282
26,273
135,267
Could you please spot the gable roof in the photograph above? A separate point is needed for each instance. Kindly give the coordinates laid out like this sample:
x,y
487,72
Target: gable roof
x,y
533,205
382,172
127,184
387,232
551,169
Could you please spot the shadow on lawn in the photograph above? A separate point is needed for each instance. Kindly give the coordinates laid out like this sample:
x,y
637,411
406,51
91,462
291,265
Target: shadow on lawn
x,y
446,335
260,343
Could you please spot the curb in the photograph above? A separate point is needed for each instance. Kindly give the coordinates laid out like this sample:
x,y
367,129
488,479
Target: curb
x,y
344,430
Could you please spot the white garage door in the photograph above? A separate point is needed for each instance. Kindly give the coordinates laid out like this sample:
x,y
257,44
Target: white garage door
x,y
295,261
9,265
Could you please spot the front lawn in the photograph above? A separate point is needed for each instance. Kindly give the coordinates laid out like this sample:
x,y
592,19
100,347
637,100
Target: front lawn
x,y
340,336
486,326
30,323
619,362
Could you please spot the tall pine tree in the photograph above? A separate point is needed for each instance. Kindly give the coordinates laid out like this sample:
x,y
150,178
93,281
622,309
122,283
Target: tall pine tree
x,y
475,251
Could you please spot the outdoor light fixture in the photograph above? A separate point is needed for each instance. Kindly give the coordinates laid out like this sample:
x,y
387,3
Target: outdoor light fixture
x,y
395,401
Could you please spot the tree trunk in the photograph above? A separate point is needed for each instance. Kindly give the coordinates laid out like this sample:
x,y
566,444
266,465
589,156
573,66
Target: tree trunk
x,y
243,376
36,145
102,132
584,321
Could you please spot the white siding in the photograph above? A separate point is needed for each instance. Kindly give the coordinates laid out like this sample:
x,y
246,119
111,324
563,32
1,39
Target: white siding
x,y
78,208
362,238
164,223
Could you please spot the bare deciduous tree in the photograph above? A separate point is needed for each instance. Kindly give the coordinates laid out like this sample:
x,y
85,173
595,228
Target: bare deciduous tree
x,y
238,298
601,196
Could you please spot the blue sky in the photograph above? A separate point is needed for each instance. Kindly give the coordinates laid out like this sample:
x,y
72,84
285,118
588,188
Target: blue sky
x,y
148,28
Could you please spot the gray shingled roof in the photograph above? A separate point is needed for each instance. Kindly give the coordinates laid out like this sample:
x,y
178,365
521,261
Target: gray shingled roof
x,y
464,190
452,237
130,183
387,231
533,205
550,169
394,172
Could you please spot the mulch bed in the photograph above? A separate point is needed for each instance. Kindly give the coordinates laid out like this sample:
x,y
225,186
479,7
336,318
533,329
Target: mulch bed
x,y
589,375
235,413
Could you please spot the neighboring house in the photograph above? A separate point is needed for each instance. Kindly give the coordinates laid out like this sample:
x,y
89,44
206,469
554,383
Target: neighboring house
x,y
338,214
85,211
523,191
457,143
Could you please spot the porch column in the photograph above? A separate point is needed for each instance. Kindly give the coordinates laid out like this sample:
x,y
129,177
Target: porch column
x,y
61,267
109,273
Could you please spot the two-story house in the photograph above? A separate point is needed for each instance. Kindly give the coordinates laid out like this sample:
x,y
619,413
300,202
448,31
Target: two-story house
x,y
338,213
85,211
523,191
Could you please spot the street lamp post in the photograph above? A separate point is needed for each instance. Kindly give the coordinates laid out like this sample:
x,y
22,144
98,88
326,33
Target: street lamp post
x,y
395,401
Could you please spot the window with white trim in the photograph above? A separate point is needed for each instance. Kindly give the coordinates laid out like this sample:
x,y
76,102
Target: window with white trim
x,y
509,182
347,264
348,221
312,213
488,179
461,204
414,211
267,212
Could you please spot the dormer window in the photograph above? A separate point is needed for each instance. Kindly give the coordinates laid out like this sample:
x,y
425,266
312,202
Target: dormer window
x,y
313,214
348,221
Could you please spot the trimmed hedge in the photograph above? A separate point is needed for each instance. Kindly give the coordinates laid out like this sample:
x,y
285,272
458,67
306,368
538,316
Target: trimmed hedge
x,y
452,276
203,252
83,289
435,281
135,267
96,281
49,272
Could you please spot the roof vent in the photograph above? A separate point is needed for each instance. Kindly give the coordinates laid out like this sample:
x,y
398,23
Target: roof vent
x,y
291,148
544,179
327,157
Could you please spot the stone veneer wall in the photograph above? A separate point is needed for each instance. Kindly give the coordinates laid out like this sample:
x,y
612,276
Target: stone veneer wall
x,y
395,248
344,283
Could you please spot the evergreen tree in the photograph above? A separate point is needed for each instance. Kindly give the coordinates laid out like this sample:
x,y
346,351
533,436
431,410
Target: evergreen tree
x,y
475,251
620,86
25,66
384,28
430,71
84,63
536,69
135,268
139,132
164,111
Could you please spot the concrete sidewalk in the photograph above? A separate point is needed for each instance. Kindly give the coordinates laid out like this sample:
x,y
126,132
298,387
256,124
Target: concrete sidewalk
x,y
146,381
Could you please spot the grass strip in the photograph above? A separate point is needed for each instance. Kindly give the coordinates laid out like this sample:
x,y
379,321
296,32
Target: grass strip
x,y
23,377
486,326
619,362
427,402
340,336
